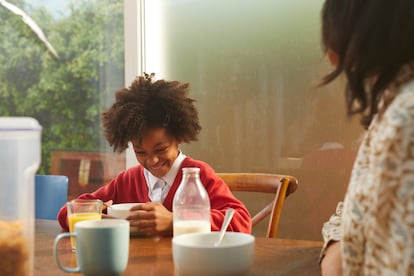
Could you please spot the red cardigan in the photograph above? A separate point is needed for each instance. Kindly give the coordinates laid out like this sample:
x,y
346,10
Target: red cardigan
x,y
130,186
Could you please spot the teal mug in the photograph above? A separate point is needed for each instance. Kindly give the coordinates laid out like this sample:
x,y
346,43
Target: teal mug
x,y
102,247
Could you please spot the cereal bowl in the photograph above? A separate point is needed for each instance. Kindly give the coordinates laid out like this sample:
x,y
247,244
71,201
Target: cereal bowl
x,y
121,210
195,253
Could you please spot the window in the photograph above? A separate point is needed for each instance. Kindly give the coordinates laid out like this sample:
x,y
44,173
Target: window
x,y
253,67
68,92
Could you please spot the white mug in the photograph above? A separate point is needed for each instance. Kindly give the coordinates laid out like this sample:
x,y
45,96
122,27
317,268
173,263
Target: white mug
x,y
102,247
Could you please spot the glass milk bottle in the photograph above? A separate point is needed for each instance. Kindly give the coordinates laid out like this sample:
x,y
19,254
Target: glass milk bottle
x,y
191,205
19,161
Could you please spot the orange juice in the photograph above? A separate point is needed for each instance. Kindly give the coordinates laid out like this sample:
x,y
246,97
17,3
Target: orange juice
x,y
74,218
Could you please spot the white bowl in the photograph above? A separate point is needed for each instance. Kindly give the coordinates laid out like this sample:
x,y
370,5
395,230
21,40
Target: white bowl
x,y
195,253
121,210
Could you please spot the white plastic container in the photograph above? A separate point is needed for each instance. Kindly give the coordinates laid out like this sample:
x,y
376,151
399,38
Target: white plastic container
x,y
19,160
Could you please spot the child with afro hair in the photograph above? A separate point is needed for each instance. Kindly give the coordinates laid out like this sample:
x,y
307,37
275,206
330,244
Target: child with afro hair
x,y
156,117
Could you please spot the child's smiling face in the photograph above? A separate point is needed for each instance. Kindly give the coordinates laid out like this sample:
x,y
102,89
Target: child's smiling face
x,y
156,151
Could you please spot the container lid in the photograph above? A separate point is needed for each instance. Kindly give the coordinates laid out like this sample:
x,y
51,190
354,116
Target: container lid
x,y
19,124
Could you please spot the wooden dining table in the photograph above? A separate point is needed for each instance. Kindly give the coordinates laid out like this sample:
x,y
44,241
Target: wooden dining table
x,y
153,256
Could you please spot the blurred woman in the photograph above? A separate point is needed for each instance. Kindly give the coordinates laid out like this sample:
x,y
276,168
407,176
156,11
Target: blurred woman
x,y
371,43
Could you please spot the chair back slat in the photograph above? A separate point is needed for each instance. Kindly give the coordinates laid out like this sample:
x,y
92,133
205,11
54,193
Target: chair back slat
x,y
279,185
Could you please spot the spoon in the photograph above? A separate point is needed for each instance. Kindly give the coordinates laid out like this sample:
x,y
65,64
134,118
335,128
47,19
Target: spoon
x,y
227,218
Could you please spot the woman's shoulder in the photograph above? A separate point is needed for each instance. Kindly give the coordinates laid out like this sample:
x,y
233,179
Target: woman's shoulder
x,y
401,110
406,93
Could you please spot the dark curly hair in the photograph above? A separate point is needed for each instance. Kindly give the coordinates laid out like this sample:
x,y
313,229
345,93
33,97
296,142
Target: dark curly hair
x,y
373,39
147,104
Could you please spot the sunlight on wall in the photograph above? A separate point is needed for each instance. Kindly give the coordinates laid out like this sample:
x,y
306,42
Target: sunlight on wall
x,y
154,38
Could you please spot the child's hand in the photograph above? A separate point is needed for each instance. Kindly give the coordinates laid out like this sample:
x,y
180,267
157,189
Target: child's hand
x,y
153,218
105,206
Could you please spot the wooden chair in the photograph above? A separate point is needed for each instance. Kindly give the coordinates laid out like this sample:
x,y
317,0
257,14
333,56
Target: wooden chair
x,y
51,192
280,185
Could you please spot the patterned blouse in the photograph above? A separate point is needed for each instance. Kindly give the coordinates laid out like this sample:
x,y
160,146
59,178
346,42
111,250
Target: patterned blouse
x,y
376,221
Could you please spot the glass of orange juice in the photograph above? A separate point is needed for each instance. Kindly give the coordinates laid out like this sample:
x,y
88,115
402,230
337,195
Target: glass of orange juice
x,y
82,209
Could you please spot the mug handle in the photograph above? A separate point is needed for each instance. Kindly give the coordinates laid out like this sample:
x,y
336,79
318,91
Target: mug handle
x,y
56,253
